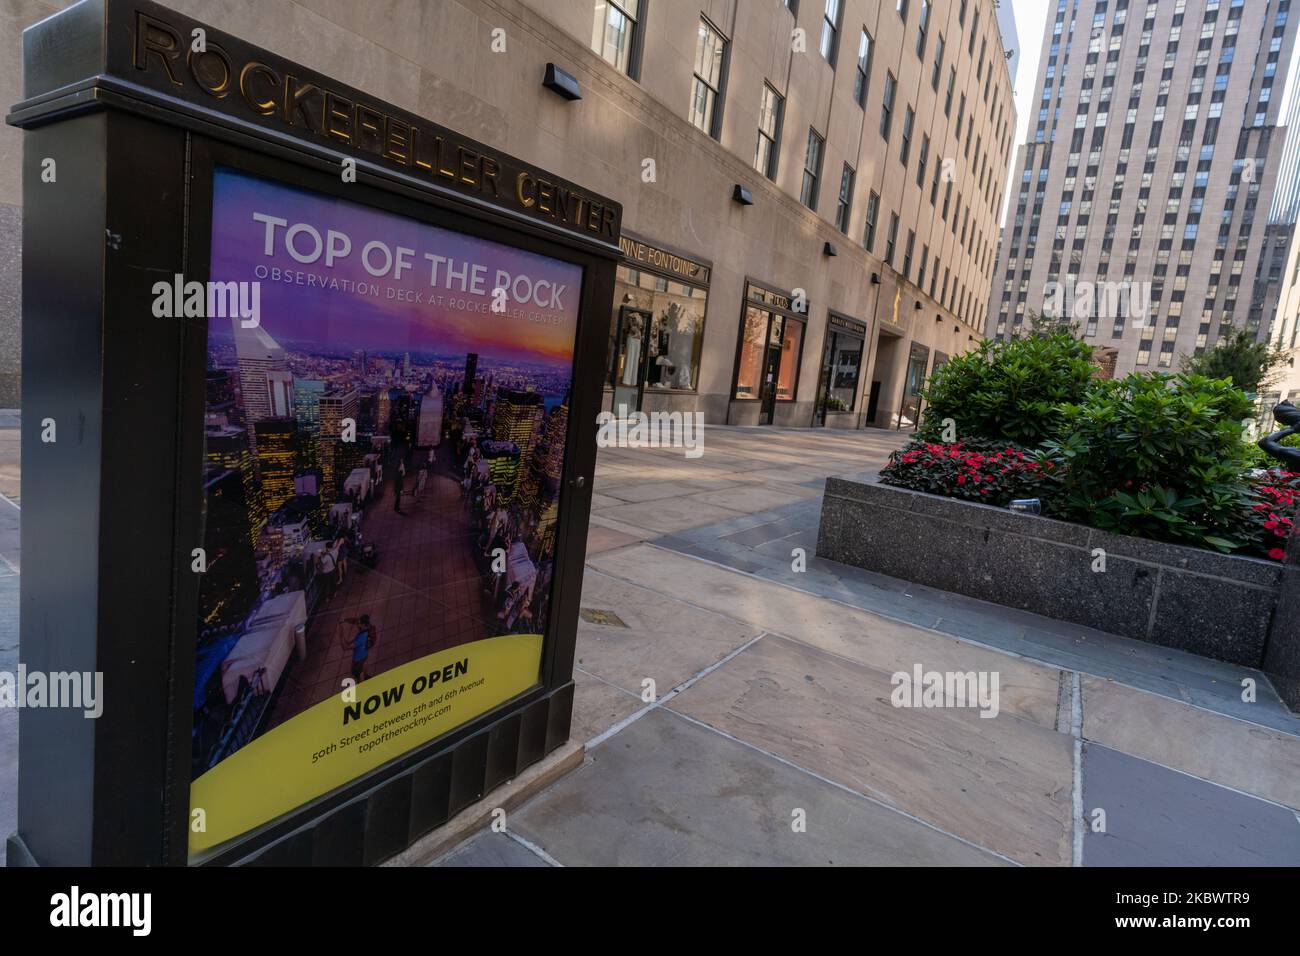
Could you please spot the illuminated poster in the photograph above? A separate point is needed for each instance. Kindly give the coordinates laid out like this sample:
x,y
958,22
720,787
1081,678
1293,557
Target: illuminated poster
x,y
383,460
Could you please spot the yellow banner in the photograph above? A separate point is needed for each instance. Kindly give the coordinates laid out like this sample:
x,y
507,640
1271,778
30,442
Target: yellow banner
x,y
338,740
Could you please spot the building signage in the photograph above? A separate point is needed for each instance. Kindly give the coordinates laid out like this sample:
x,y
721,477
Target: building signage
x,y
771,299
846,325
644,254
251,84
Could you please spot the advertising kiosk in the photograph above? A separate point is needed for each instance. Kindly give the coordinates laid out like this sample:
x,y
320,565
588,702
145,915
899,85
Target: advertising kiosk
x,y
310,398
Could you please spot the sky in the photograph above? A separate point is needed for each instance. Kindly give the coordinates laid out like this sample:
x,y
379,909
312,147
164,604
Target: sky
x,y
1031,21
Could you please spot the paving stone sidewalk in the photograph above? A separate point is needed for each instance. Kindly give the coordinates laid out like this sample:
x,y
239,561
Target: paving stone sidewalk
x,y
773,739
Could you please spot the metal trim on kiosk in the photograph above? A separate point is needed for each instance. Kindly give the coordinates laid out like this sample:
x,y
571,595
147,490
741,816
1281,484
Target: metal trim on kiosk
x,y
137,123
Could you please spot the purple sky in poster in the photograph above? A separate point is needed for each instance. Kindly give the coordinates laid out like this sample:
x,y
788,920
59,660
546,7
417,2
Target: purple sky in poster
x,y
437,306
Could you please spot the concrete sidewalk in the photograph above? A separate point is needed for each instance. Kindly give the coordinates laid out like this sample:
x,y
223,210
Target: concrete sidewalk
x,y
773,740
769,736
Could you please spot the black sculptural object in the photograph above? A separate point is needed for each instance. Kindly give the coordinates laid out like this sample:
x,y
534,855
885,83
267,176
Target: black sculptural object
x,y
1288,415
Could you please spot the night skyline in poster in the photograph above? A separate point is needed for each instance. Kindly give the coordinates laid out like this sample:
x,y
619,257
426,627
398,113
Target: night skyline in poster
x,y
327,564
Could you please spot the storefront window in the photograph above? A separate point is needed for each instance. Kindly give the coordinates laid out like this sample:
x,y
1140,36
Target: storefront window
x,y
918,359
749,369
841,366
846,363
672,343
788,378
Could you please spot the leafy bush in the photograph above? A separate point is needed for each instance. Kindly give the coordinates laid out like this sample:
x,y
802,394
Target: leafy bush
x,y
994,473
1157,456
1009,391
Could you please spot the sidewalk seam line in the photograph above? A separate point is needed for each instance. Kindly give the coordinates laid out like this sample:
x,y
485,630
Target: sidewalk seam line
x,y
841,786
834,655
1076,731
956,637
659,702
533,848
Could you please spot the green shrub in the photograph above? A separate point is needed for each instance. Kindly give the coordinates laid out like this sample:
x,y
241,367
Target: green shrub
x,y
1157,456
1008,391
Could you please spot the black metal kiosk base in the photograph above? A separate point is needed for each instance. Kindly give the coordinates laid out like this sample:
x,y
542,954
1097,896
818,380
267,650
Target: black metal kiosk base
x,y
127,130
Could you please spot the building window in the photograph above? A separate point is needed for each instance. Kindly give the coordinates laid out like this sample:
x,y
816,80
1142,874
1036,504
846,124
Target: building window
x,y
845,203
763,336
841,367
869,231
830,30
769,131
662,352
887,106
938,64
787,379
905,151
922,25
753,343
863,79
614,33
710,51
812,170
891,239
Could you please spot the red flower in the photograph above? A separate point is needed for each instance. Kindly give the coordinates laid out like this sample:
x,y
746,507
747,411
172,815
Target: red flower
x,y
961,479
1277,554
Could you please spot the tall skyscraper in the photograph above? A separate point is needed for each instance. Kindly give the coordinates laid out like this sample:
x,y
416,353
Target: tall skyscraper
x,y
1146,184
336,457
226,448
277,456
517,418
306,404
471,367
228,584
334,408
262,372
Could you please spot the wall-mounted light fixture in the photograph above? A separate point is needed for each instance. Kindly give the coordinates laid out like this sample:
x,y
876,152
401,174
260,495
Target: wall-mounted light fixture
x,y
741,195
561,82
829,250
875,278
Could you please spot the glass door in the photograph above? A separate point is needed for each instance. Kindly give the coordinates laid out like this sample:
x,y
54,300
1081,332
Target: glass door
x,y
630,360
824,378
917,360
771,368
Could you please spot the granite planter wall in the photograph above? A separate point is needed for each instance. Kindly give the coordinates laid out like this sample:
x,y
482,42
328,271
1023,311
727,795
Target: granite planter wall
x,y
1217,605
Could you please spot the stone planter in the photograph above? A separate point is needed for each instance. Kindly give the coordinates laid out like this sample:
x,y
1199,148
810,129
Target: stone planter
x,y
1217,605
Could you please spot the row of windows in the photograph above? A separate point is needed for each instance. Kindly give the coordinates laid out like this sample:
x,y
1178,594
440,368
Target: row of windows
x,y
1175,203
616,37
